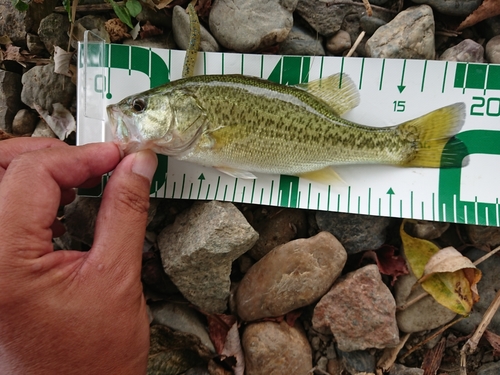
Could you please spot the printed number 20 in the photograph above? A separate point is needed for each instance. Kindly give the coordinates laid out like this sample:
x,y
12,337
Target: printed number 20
x,y
399,105
492,106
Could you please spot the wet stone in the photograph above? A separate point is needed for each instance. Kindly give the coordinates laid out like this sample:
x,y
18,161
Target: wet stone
x,y
181,30
53,31
355,232
302,42
371,24
292,275
24,122
465,51
493,50
452,7
360,311
10,92
357,361
410,35
275,348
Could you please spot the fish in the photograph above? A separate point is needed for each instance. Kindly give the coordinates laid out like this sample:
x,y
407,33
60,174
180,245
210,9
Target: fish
x,y
244,125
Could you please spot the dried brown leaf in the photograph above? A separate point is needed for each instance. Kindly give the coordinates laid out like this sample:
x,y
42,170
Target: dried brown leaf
x,y
218,328
117,29
488,9
13,53
203,8
149,30
433,357
494,341
388,263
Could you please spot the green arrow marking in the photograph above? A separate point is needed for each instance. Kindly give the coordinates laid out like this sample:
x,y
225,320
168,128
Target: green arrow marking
x,y
201,178
401,87
391,193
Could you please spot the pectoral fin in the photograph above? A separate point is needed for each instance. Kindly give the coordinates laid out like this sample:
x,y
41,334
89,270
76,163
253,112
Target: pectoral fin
x,y
338,91
325,176
237,173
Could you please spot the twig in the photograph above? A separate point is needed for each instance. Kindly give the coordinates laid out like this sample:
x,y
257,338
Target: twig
x,y
390,354
356,44
487,255
73,18
368,7
90,8
413,301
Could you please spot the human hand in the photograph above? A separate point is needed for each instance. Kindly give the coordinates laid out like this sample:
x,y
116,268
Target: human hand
x,y
71,312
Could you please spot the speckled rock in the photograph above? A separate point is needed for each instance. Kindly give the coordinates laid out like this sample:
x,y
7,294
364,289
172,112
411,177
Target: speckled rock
x,y
338,43
302,42
181,30
43,87
10,91
290,276
247,26
452,7
422,315
24,122
355,232
275,348
198,250
360,311
465,51
53,31
410,35
493,50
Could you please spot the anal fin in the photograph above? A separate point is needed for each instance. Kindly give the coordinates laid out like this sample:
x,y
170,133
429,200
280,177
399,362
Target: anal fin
x,y
237,173
325,176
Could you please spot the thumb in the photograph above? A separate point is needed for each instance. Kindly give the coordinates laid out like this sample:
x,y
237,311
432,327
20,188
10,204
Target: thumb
x,y
121,222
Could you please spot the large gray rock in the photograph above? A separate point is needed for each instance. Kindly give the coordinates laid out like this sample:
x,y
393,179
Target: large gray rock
x,y
452,7
360,311
181,29
302,42
44,87
24,122
10,94
247,26
465,51
197,252
53,31
410,35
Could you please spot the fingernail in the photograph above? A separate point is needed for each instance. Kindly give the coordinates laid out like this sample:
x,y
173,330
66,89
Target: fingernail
x,y
144,164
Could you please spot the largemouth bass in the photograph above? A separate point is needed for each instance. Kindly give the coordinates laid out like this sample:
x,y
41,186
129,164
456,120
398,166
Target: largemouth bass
x,y
244,125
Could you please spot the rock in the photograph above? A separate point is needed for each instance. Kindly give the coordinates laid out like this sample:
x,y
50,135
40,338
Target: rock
x,y
360,311
458,8
487,289
165,41
358,361
482,236
181,31
292,275
277,226
182,318
10,92
398,369
94,24
339,43
301,42
423,315
157,17
355,232
410,35
371,24
43,87
493,50
275,348
43,130
34,44
492,368
24,122
428,230
465,51
53,31
248,26
197,252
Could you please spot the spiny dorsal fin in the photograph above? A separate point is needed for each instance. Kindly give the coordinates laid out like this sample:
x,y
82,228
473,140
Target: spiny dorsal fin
x,y
338,91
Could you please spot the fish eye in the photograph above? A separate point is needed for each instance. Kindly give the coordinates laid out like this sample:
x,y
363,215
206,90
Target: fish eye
x,y
139,105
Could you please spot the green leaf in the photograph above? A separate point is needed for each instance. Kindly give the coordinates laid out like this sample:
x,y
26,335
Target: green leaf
x,y
134,7
20,5
67,6
122,13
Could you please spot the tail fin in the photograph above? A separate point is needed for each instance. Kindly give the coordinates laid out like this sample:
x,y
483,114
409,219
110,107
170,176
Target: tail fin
x,y
434,135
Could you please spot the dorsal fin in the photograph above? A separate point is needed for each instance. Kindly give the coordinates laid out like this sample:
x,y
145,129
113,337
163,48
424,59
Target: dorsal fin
x,y
337,90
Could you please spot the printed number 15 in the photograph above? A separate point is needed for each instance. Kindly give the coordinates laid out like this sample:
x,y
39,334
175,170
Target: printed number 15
x,y
399,105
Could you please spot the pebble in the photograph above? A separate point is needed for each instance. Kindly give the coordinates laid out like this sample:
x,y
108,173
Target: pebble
x,y
13,23
10,92
181,317
410,35
198,250
398,369
492,368
53,31
358,361
360,311
428,230
156,17
43,130
482,236
34,44
459,8
465,51
181,30
24,122
355,232
371,24
275,348
493,50
487,288
43,87
292,275
277,227
423,315
338,43
301,41
251,25
94,24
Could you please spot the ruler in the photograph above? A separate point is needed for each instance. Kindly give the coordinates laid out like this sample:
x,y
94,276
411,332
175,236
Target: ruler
x,y
392,91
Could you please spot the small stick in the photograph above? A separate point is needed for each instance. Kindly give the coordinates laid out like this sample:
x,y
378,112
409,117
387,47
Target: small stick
x,y
382,9
487,255
368,7
90,8
356,44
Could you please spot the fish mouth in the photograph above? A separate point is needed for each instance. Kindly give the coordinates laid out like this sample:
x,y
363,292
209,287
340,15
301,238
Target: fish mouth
x,y
122,128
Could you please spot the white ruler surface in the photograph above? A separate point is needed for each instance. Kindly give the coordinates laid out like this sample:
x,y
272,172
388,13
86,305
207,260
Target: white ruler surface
x,y
392,91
